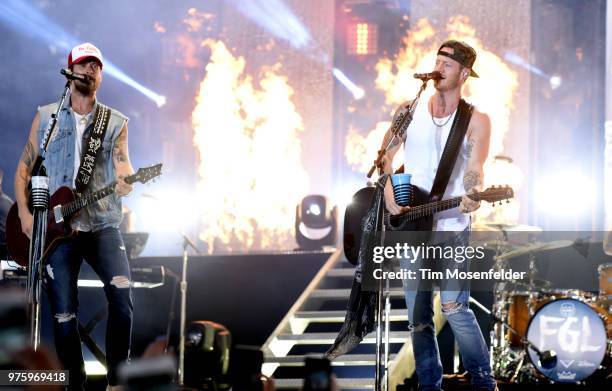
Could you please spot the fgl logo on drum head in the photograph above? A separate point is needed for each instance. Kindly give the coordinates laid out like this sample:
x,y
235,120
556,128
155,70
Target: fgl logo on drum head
x,y
567,310
575,332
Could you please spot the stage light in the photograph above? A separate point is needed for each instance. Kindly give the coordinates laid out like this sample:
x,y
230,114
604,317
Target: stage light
x,y
361,39
314,209
555,82
207,355
28,20
316,223
357,91
94,367
518,60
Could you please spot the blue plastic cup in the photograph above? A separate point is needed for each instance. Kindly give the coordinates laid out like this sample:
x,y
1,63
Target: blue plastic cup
x,y
401,188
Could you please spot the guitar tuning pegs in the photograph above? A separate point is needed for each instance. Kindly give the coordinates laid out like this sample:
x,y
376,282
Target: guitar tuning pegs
x,y
507,201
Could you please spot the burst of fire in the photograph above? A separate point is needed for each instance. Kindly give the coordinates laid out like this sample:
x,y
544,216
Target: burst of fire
x,y
492,93
195,19
251,176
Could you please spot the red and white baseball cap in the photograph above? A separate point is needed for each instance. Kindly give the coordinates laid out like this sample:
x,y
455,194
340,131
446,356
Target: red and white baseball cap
x,y
83,51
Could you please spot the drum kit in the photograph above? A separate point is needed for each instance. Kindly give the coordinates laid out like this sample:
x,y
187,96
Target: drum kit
x,y
543,335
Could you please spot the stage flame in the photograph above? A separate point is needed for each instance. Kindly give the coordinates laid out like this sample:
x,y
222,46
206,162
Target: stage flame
x,y
250,170
492,93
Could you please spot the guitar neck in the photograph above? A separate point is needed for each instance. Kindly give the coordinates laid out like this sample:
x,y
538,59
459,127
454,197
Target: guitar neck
x,y
434,207
88,199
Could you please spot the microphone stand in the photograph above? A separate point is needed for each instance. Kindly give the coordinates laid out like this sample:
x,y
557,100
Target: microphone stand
x,y
383,302
39,199
186,244
398,128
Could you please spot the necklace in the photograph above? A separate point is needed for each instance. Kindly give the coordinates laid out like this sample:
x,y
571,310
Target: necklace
x,y
434,120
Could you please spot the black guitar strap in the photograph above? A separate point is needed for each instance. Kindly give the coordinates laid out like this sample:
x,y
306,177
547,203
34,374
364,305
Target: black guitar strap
x,y
451,150
91,147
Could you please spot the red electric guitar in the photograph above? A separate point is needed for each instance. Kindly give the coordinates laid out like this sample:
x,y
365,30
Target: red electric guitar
x,y
63,205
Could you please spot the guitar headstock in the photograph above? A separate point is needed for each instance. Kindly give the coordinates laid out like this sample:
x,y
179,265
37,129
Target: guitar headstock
x,y
145,174
496,193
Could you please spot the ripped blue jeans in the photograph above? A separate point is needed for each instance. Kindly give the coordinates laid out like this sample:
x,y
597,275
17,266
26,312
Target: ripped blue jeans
x,y
105,252
455,307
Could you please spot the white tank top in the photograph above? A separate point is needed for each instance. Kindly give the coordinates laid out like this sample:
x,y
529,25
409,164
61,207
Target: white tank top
x,y
422,151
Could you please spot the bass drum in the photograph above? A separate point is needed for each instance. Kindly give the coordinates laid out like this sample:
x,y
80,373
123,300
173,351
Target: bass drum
x,y
576,332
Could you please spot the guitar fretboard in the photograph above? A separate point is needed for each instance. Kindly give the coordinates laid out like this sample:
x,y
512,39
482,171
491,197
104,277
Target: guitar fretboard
x,y
431,208
419,211
88,199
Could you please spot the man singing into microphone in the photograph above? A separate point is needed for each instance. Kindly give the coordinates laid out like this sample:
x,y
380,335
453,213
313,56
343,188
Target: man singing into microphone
x,y
89,150
424,142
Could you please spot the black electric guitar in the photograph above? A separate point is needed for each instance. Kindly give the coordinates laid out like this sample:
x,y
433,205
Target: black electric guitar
x,y
63,205
418,218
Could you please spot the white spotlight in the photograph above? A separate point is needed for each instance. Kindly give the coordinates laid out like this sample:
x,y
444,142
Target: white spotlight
x,y
555,82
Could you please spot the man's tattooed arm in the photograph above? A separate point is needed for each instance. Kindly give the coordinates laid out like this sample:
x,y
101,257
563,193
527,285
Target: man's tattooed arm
x,y
120,151
471,179
470,147
29,155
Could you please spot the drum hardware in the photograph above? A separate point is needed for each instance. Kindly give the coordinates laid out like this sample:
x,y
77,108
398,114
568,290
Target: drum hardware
x,y
605,281
532,248
548,358
569,326
569,323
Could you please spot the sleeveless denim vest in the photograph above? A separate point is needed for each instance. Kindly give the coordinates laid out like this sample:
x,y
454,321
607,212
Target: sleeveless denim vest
x,y
59,160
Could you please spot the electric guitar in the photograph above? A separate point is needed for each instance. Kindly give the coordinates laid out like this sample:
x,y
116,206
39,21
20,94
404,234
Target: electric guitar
x,y
63,206
418,218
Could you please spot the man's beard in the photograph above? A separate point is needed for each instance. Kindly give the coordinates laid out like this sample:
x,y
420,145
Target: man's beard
x,y
448,84
85,88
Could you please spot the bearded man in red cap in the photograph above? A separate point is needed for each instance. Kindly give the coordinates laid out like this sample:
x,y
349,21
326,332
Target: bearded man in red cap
x,y
88,149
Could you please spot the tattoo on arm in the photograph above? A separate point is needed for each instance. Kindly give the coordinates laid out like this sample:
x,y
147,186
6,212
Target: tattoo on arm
x,y
470,147
471,179
119,151
118,154
28,155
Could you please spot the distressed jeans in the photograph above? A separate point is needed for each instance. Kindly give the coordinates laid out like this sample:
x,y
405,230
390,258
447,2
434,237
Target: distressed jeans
x,y
105,252
455,307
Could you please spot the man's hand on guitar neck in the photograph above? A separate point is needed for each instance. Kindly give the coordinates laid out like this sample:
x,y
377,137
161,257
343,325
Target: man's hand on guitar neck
x,y
122,188
467,204
390,203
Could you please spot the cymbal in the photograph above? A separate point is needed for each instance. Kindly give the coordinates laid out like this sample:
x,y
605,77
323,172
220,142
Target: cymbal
x,y
532,248
495,227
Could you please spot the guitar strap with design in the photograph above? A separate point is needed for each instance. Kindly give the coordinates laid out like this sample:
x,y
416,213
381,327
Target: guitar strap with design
x,y
92,146
451,150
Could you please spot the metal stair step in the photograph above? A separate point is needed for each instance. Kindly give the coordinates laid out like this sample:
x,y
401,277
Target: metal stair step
x,y
338,316
395,292
345,272
347,359
343,383
329,338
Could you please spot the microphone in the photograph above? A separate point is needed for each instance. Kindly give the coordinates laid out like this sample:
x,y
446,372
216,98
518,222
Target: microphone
x,y
74,76
435,75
